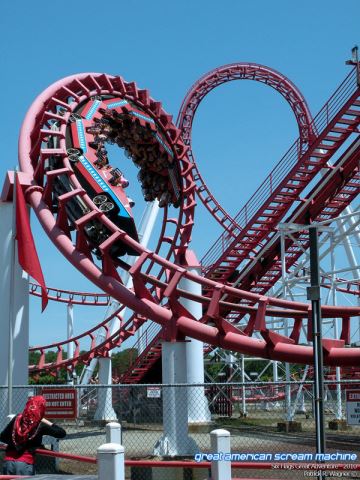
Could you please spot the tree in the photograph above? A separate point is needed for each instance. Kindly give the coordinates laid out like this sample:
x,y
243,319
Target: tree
x,y
121,361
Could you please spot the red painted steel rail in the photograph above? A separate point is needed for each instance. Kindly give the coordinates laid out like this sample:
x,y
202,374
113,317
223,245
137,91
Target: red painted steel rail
x,y
72,297
327,200
257,220
217,77
156,278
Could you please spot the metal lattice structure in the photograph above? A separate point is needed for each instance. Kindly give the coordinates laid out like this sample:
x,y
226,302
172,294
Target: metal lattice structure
x,y
156,293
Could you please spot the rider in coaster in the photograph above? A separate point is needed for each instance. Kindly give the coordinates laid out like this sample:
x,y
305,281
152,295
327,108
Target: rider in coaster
x,y
24,434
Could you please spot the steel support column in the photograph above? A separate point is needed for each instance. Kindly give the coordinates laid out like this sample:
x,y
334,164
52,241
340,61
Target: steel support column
x,y
314,296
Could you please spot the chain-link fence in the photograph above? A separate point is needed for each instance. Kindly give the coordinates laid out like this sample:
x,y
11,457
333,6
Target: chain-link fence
x,y
175,420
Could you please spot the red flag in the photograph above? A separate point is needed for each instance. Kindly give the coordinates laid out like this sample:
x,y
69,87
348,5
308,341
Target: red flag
x,y
28,257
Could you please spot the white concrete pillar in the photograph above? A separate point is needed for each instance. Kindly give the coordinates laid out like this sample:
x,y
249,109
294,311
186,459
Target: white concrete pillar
x,y
198,409
14,313
220,443
105,409
111,462
113,433
175,440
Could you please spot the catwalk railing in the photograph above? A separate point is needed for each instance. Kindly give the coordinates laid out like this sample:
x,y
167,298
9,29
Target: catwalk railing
x,y
266,190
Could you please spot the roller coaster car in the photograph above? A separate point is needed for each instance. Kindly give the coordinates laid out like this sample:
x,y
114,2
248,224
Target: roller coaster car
x,y
102,119
111,200
103,184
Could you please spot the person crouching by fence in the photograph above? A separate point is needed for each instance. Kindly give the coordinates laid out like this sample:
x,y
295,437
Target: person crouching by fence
x,y
24,434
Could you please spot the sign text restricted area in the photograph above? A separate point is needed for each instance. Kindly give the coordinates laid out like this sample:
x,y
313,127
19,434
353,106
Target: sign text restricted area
x,y
353,407
60,402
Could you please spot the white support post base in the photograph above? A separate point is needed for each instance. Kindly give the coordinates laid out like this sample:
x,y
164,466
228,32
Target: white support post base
x,y
111,462
113,433
105,409
12,276
175,440
220,443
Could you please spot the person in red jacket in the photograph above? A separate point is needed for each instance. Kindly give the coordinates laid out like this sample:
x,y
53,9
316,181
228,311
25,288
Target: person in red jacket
x,y
24,434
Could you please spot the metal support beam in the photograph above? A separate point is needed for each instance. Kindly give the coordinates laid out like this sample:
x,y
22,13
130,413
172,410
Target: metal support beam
x,y
314,296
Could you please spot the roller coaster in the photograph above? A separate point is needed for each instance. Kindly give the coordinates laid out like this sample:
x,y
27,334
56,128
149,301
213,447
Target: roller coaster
x,y
81,203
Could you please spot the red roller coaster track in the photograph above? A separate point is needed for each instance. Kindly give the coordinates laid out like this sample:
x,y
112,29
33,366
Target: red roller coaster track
x,y
156,279
258,219
327,200
217,77
72,297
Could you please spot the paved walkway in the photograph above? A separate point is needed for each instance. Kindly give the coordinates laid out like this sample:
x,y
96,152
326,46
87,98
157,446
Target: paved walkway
x,y
65,477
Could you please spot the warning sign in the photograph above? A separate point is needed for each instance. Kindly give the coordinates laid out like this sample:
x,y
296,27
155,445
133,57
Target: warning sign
x,y
153,392
353,407
60,402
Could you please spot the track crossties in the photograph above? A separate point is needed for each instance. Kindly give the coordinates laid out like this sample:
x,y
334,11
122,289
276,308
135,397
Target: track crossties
x,y
156,293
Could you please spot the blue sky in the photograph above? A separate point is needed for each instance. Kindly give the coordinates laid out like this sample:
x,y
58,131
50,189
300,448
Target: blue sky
x,y
240,131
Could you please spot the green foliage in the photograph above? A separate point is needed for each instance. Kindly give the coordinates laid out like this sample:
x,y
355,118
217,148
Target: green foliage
x,y
213,369
46,378
120,363
122,360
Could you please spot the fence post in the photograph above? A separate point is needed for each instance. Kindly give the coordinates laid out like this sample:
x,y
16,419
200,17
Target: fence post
x,y
113,433
220,443
111,464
